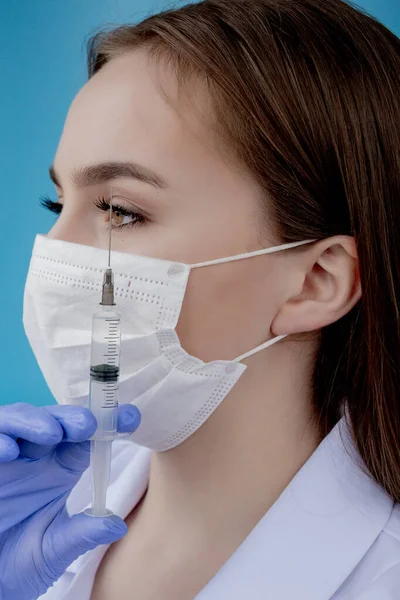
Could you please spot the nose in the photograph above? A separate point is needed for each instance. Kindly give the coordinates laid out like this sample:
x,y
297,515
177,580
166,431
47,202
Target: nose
x,y
72,226
64,230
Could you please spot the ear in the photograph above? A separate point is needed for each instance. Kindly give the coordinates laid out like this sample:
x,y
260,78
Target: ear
x,y
329,287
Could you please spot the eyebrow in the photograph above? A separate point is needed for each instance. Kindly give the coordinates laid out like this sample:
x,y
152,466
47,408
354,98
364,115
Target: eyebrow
x,y
103,172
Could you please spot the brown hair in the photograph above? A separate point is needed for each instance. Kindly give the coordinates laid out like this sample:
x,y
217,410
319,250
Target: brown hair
x,y
307,92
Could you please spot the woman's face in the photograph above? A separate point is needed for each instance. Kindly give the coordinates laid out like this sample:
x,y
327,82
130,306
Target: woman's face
x,y
189,204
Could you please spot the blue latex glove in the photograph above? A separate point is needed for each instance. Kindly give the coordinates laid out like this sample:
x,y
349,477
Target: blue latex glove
x,y
42,456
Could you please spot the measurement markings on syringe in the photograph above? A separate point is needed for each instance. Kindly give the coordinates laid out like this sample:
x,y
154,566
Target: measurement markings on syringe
x,y
112,339
109,400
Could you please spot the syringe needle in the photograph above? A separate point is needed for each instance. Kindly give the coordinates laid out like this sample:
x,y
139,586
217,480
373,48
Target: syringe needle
x,y
109,240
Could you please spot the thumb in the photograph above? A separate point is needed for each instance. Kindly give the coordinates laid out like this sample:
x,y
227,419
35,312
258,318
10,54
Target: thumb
x,y
73,536
74,457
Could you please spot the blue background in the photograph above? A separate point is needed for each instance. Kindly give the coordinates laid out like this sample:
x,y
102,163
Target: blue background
x,y
42,66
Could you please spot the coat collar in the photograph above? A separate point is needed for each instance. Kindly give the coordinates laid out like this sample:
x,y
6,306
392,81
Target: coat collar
x,y
314,535
304,547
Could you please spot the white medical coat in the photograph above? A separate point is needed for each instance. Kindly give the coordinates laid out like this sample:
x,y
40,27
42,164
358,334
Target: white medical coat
x,y
333,534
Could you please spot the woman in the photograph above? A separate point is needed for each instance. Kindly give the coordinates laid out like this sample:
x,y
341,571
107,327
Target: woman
x,y
226,130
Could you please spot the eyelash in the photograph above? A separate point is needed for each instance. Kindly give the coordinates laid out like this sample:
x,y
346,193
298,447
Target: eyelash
x,y
104,205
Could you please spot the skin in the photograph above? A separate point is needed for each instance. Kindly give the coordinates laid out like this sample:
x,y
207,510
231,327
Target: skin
x,y
206,495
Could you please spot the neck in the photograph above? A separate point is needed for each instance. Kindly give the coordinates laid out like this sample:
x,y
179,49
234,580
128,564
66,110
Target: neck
x,y
227,475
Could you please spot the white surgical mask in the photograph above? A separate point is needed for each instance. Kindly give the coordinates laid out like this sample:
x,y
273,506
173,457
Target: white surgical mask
x,y
175,392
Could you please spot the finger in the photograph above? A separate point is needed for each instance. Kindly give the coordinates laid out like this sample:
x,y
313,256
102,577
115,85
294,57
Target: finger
x,y
31,423
78,423
73,457
129,418
9,449
68,538
76,457
31,450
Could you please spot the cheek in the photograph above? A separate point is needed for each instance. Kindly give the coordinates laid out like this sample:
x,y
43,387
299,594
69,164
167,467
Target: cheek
x,y
227,310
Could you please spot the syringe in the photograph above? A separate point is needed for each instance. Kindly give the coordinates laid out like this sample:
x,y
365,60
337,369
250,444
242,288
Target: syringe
x,y
103,394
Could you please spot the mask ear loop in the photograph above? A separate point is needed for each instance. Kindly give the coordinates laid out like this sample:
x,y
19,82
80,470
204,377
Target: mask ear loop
x,y
219,261
266,344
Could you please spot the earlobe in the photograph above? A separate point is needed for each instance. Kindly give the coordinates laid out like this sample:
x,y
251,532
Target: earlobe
x,y
331,287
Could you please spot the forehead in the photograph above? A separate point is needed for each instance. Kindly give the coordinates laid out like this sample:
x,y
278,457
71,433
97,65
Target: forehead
x,y
131,110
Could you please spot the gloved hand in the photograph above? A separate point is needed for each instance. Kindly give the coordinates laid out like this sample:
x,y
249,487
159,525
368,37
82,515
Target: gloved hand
x,y
42,456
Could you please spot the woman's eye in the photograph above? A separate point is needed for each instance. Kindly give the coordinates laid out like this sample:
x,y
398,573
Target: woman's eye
x,y
120,219
121,216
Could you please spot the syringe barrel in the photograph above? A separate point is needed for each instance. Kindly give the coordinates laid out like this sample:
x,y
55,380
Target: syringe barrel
x,y
104,372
